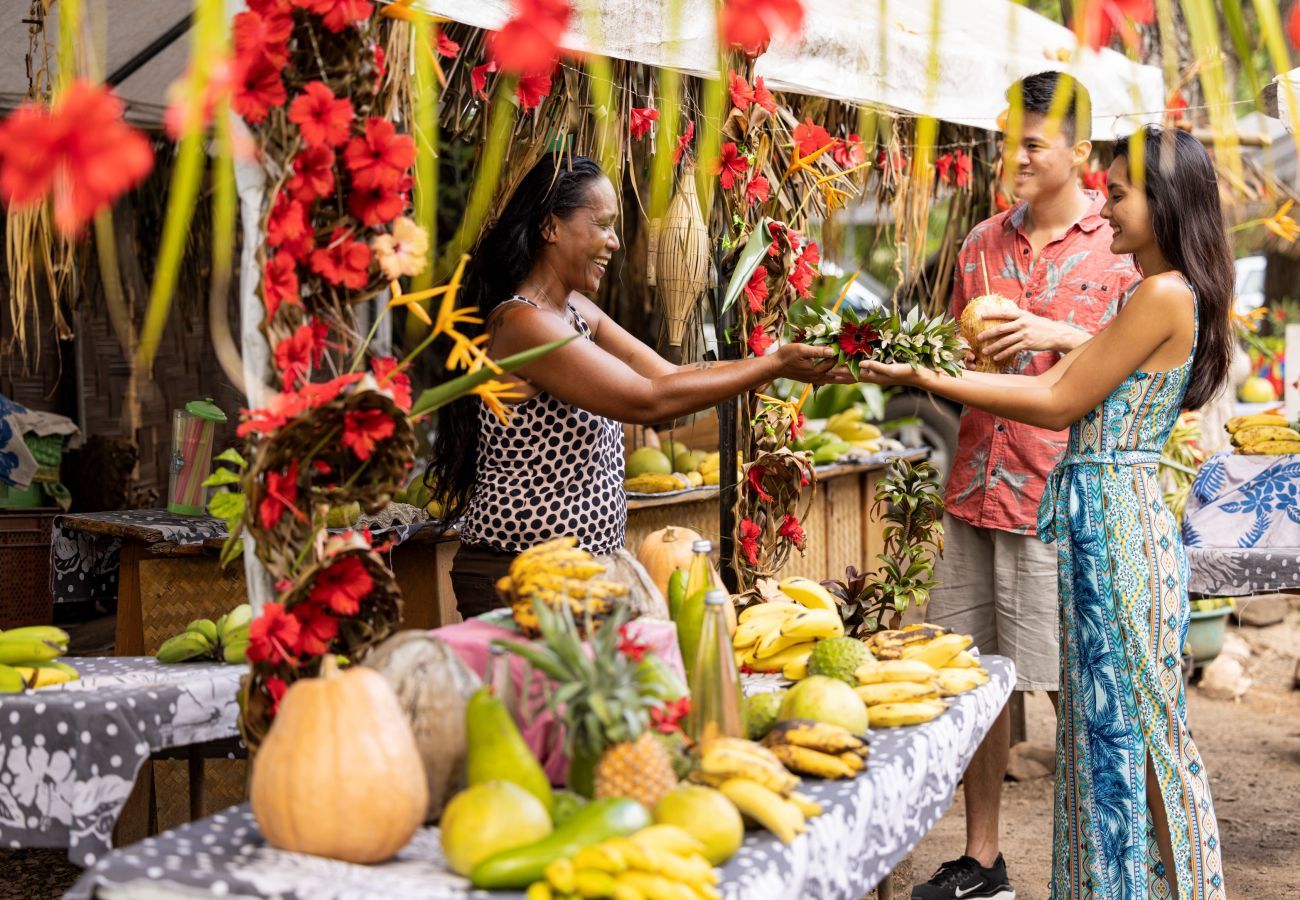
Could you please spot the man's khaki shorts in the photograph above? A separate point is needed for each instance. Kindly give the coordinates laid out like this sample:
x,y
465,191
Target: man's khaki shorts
x,y
1000,588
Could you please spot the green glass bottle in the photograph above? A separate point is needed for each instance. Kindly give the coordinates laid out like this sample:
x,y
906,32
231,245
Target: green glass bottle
x,y
715,680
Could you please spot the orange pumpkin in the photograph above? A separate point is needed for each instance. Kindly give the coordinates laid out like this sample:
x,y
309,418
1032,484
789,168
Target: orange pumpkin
x,y
666,550
339,774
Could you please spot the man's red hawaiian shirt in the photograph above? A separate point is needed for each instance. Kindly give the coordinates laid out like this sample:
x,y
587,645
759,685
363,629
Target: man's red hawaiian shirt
x,y
1000,468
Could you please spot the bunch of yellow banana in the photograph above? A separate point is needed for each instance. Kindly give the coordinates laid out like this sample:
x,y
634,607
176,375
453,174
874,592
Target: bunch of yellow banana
x,y
817,748
557,572
931,644
710,467
849,426
662,861
757,783
1263,434
911,691
775,636
29,658
660,483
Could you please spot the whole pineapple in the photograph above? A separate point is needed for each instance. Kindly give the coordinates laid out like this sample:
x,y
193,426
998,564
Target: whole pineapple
x,y
603,704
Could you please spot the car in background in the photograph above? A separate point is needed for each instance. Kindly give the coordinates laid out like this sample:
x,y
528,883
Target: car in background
x,y
1249,288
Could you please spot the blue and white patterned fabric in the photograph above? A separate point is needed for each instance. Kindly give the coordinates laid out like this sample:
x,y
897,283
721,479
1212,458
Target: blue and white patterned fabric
x,y
1245,501
17,465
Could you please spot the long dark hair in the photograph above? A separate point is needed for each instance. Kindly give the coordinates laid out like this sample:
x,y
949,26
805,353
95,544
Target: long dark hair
x,y
1183,194
505,254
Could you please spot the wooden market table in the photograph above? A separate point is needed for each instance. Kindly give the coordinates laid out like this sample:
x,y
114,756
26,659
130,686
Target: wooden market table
x,y
868,825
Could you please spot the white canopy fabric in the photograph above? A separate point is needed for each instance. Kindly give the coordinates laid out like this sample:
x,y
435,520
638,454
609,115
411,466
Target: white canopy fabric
x,y
877,53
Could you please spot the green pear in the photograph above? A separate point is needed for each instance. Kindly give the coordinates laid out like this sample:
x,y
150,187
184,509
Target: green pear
x,y
496,751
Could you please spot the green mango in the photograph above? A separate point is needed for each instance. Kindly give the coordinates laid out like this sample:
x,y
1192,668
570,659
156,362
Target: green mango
x,y
830,452
496,751
600,820
676,591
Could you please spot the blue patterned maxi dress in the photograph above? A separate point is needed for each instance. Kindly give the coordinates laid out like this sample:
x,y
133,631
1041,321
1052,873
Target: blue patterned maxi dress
x,y
1124,614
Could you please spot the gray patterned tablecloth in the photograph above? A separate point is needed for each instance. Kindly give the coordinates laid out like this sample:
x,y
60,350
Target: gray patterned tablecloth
x,y
1243,571
868,825
69,754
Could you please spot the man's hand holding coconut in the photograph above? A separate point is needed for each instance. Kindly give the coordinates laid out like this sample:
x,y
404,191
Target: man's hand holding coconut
x,y
997,329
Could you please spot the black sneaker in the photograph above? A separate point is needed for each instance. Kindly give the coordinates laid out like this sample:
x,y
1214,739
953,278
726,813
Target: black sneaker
x,y
966,879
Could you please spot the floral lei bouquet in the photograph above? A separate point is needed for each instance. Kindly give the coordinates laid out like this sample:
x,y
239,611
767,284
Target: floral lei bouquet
x,y
880,336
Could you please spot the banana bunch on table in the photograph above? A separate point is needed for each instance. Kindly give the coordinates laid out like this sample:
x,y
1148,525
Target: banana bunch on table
x,y
658,861
1263,434
29,658
915,669
819,749
778,637
557,572
757,783
225,640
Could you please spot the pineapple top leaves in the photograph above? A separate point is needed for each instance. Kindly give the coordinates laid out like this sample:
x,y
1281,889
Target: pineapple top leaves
x,y
880,335
597,695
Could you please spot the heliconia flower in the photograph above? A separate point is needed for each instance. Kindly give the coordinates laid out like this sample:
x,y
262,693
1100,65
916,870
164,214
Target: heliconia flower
x,y
531,37
342,586
755,290
810,137
446,46
742,95
322,118
749,535
533,88
280,282
313,174
684,141
641,120
364,428
272,637
79,150
381,157
730,164
749,24
757,190
404,251
759,341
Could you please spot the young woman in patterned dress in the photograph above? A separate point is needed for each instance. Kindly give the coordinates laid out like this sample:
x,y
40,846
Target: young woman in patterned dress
x,y
557,467
1134,816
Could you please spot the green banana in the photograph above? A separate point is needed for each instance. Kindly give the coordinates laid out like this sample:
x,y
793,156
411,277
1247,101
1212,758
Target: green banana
x,y
235,652
25,651
37,633
221,625
184,646
237,618
11,680
205,627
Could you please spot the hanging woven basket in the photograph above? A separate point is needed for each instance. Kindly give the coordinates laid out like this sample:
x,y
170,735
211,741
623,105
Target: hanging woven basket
x,y
681,258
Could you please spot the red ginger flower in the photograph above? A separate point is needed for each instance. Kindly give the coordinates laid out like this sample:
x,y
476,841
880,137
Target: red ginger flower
x,y
756,290
80,150
263,34
281,496
792,531
749,535
381,157
258,88
342,586
363,429
343,261
393,380
641,120
730,165
272,636
531,38
322,118
280,282
313,174
757,190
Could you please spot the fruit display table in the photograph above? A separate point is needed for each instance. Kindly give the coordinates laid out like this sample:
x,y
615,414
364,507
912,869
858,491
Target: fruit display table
x,y
869,825
71,752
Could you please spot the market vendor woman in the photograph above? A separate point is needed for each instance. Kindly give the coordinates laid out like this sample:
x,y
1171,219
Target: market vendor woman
x,y
556,468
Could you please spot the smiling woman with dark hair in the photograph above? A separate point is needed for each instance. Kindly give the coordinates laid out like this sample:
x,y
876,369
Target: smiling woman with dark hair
x,y
556,467
1129,779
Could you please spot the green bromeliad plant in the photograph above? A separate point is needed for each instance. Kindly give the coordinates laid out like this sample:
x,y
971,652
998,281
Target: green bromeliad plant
x,y
880,335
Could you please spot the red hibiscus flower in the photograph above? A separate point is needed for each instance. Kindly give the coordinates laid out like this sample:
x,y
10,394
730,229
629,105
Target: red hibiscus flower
x,y
1293,25
263,34
749,535
275,688
531,38
257,89
363,429
393,380
730,164
313,174
533,88
322,118
1096,21
759,341
856,340
796,427
281,496
1176,105
342,586
849,152
317,628
79,150
376,206
804,269
381,157
295,355
894,162
757,190
792,531
755,478
280,282
272,636
629,646
756,290
478,77
1094,180
667,719
642,118
343,261
684,141
287,221
381,62
954,168
810,137
749,24
338,14
447,47
763,97
742,95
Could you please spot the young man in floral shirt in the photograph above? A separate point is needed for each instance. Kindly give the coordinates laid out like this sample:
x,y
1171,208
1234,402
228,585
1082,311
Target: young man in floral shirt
x,y
1050,254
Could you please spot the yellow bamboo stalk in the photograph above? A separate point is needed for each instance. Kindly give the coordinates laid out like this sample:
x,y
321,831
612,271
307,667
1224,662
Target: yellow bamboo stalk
x,y
424,90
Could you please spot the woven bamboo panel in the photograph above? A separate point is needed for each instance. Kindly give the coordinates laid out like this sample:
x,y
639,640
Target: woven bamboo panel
x,y
841,533
224,786
177,590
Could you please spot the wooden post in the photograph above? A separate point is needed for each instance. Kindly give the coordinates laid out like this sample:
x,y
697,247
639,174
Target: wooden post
x,y
1016,705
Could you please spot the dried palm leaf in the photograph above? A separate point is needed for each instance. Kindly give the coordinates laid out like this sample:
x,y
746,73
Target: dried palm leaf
x,y
681,258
